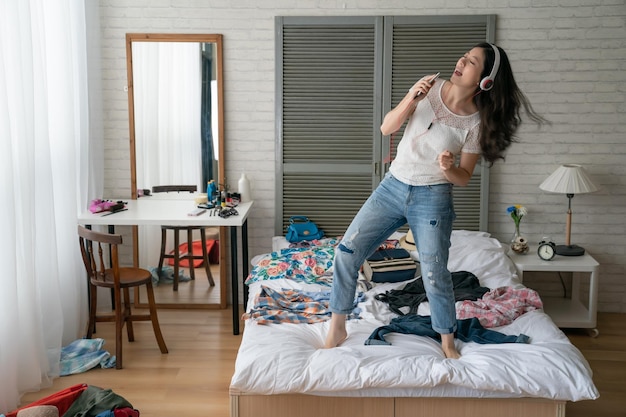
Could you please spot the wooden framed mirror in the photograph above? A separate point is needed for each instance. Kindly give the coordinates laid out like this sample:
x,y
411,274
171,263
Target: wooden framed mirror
x,y
176,120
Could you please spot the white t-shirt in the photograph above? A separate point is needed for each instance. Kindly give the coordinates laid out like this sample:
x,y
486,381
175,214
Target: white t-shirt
x,y
432,129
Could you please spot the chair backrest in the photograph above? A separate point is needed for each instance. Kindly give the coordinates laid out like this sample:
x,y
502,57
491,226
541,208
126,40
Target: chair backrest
x,y
92,250
174,188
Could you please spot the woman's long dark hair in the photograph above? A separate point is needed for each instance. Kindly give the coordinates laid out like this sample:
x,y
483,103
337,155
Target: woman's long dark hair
x,y
500,107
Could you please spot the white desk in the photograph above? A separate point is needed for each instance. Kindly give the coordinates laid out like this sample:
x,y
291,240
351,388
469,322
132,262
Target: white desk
x,y
566,312
174,212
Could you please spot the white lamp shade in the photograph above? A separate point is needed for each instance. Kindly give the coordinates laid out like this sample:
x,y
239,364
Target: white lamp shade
x,y
569,179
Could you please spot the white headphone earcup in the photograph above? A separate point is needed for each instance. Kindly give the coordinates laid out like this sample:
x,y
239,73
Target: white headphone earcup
x,y
486,84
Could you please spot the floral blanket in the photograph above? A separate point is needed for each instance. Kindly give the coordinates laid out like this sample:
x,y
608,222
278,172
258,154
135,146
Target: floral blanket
x,y
311,264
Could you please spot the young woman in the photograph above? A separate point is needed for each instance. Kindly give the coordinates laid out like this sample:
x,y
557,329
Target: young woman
x,y
474,114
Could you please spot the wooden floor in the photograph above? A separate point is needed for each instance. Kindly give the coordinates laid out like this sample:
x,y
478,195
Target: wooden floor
x,y
193,292
193,379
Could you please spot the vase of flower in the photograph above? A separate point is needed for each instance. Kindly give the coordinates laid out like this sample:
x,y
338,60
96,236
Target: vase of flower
x,y
519,244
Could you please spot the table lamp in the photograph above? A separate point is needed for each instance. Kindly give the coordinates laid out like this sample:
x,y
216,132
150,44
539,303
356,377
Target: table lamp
x,y
569,179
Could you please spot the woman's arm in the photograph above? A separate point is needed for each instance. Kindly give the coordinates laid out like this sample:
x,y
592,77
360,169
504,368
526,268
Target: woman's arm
x,y
397,116
462,174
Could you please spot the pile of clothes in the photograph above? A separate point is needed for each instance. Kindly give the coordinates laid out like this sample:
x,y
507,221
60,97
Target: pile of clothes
x,y
78,400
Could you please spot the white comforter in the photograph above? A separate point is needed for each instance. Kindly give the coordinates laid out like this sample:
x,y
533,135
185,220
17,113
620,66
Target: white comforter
x,y
288,358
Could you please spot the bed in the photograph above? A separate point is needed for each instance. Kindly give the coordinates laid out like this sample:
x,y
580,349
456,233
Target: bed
x,y
282,370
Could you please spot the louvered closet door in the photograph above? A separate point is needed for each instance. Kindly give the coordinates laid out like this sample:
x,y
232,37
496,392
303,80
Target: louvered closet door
x,y
326,111
416,46
335,80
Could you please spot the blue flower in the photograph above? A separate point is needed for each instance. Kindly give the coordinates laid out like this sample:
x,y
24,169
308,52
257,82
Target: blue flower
x,y
517,212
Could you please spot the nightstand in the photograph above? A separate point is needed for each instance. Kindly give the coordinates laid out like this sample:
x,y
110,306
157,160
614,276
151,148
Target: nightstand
x,y
566,312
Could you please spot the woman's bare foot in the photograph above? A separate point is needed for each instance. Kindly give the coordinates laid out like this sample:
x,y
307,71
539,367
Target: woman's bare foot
x,y
337,332
447,344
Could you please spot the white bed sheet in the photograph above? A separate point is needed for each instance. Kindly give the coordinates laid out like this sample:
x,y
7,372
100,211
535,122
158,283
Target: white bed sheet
x,y
288,358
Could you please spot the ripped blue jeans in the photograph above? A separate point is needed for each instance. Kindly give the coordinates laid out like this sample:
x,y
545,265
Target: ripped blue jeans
x,y
429,211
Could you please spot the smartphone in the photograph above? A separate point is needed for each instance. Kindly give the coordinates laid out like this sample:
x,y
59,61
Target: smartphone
x,y
432,80
196,212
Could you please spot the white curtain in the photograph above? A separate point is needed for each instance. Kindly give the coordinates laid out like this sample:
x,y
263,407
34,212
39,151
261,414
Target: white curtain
x,y
45,178
167,86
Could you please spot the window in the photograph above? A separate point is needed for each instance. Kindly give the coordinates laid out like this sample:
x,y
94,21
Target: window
x,y
336,79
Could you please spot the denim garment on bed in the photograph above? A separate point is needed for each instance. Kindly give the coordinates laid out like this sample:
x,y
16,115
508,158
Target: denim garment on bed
x,y
468,330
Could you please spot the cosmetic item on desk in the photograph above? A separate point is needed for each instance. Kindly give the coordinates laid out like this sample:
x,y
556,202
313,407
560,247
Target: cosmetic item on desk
x,y
117,207
244,189
225,213
99,205
113,212
211,188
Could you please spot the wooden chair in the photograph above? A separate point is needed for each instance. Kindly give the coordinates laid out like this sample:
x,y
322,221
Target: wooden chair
x,y
177,255
93,247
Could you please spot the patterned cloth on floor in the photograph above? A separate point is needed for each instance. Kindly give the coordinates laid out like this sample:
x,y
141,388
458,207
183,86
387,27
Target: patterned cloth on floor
x,y
167,275
82,355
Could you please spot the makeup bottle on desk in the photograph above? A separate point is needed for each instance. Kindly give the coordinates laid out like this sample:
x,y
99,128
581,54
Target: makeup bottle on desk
x,y
244,188
218,198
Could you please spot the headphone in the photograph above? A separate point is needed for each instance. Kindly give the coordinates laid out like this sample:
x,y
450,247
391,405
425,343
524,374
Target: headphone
x,y
486,83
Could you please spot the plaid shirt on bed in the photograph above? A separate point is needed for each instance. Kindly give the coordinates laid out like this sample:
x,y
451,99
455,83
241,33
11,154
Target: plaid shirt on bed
x,y
500,306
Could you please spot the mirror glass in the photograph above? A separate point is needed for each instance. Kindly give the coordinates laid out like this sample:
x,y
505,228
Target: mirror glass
x,y
175,91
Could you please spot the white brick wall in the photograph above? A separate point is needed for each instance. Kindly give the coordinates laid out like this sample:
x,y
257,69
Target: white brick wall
x,y
569,58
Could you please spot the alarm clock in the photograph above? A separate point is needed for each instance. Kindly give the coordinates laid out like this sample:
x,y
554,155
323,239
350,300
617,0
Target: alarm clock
x,y
546,250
